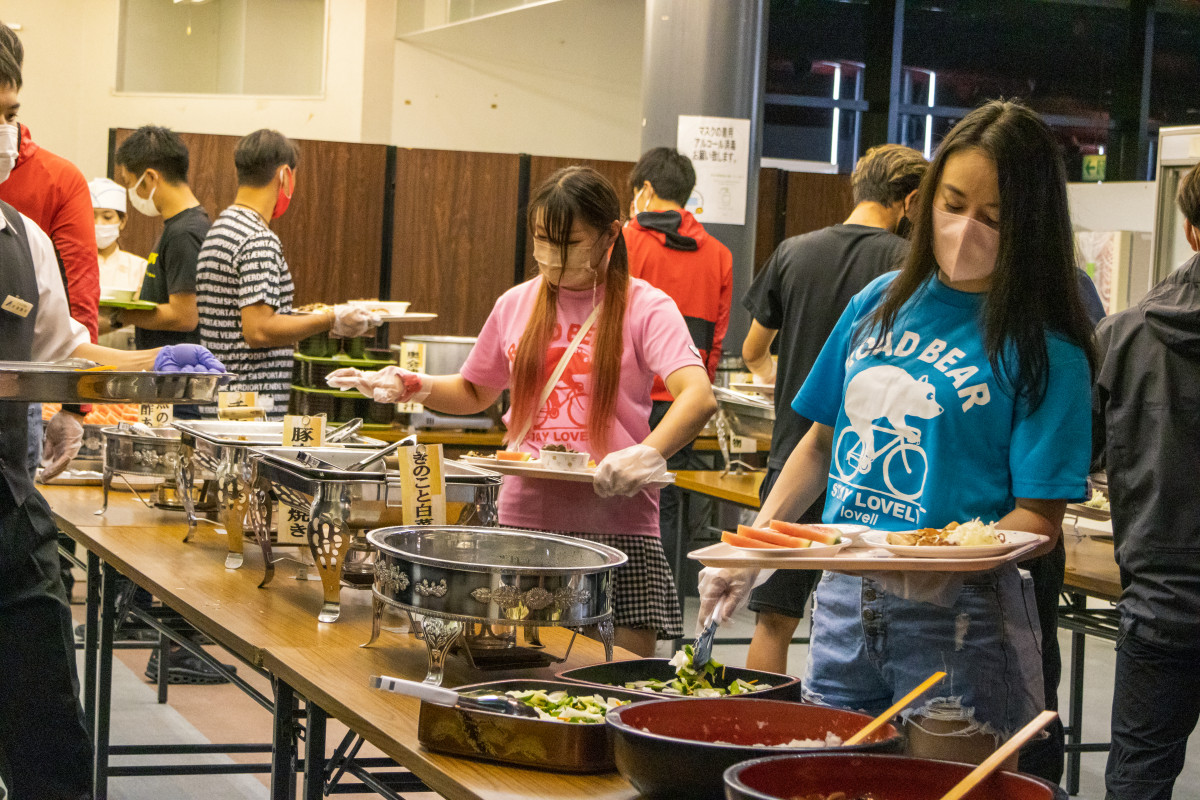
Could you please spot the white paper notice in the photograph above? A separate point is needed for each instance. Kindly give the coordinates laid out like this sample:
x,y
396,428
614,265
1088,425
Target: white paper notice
x,y
719,148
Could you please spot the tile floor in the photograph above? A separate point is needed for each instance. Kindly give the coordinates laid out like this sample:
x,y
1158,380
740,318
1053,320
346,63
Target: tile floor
x,y
222,713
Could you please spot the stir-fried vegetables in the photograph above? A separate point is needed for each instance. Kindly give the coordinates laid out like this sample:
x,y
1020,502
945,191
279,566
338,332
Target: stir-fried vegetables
x,y
563,707
691,682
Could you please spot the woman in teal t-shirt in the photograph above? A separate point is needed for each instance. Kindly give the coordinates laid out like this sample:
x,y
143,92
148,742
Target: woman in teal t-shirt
x,y
956,388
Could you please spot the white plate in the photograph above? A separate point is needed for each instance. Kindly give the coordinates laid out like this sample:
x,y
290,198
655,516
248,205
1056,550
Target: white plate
x,y
1012,541
816,550
536,469
384,308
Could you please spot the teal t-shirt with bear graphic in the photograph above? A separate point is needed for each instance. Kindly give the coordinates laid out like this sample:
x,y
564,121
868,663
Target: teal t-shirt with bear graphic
x,y
925,433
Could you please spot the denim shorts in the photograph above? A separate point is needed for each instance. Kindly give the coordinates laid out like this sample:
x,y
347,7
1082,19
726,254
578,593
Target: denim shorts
x,y
870,648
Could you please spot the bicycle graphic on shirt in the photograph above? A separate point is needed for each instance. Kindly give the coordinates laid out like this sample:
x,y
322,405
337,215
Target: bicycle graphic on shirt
x,y
905,476
570,397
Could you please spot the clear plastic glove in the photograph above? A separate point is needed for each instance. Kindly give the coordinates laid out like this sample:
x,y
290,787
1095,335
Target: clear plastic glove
x,y
351,321
937,588
388,385
626,471
61,443
186,358
731,585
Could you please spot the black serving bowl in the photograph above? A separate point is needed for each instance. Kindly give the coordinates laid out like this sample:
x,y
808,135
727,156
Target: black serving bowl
x,y
618,673
681,748
883,776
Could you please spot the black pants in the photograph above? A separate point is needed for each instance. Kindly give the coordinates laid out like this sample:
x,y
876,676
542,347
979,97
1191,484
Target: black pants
x,y
1156,703
45,751
1044,757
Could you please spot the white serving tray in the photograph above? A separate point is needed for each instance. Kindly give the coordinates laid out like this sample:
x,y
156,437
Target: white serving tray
x,y
535,469
856,559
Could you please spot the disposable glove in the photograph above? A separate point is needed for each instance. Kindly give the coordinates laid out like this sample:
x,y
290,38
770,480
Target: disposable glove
x,y
61,443
626,471
388,385
733,585
351,321
186,358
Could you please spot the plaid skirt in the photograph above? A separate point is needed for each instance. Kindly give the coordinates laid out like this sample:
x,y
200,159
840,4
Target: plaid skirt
x,y
644,593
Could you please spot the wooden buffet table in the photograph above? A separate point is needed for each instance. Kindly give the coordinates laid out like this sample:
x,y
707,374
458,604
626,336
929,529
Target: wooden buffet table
x,y
275,631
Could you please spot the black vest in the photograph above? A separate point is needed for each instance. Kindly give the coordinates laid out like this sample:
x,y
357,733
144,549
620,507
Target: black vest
x,y
17,279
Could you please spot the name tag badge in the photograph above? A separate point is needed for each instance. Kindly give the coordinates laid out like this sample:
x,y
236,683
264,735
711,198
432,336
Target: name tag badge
x,y
15,305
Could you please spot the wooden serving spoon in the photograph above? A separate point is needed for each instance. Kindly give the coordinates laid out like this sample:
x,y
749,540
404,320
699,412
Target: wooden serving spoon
x,y
993,762
879,721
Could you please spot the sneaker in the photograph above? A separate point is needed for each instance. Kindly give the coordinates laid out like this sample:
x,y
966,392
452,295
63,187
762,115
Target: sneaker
x,y
185,668
127,633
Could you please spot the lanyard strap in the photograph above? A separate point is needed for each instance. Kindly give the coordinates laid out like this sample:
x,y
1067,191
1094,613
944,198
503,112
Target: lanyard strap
x,y
561,367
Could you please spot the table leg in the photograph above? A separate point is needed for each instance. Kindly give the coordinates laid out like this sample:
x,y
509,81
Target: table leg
x,y
314,751
1075,710
108,612
283,747
91,636
162,678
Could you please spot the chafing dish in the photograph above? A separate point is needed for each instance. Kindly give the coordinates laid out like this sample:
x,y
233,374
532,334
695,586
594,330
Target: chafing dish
x,y
746,414
342,505
74,381
478,585
220,448
129,453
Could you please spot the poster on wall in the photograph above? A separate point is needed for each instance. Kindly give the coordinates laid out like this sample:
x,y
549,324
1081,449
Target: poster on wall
x,y
719,148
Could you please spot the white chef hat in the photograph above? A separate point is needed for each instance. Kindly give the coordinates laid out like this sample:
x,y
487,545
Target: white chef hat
x,y
107,194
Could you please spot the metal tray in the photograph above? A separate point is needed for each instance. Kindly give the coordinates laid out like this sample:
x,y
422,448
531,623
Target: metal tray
x,y
747,415
522,741
42,382
257,434
615,674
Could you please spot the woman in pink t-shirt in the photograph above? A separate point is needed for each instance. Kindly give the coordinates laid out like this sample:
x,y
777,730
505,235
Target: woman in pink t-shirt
x,y
600,404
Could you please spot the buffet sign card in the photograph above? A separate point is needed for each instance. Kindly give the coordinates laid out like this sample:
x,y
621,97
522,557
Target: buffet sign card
x,y
412,358
292,521
154,415
304,430
422,485
239,406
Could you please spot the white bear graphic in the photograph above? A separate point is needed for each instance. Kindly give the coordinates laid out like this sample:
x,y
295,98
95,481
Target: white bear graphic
x,y
887,392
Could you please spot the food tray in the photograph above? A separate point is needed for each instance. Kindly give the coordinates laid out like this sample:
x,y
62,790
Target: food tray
x,y
534,469
765,389
41,382
522,741
229,433
129,305
856,559
615,674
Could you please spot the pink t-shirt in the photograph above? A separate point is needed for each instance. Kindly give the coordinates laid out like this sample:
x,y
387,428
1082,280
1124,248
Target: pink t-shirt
x,y
656,343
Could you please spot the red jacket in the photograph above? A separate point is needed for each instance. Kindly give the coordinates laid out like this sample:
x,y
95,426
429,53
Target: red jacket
x,y
52,192
672,251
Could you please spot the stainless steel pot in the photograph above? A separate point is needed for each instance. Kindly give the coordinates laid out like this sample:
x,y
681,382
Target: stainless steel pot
x,y
459,576
444,355
341,505
221,448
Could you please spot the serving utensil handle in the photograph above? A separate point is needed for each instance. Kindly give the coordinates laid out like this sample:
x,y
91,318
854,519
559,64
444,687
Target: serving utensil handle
x,y
422,691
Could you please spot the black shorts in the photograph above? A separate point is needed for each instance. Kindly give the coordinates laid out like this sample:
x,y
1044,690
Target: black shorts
x,y
786,592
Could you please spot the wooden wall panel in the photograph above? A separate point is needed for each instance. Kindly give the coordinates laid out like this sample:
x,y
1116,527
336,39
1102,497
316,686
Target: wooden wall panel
x,y
333,229
454,236
816,201
542,167
769,210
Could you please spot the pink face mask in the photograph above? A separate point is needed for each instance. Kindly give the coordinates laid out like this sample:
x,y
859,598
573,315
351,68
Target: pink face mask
x,y
965,248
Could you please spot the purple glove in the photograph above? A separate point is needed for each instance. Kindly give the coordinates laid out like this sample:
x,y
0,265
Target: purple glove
x,y
186,358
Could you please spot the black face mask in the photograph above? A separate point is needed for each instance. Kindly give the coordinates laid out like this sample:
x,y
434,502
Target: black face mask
x,y
904,227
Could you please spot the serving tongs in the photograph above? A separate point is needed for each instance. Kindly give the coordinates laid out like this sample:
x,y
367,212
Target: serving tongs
x,y
702,649
407,441
344,431
439,696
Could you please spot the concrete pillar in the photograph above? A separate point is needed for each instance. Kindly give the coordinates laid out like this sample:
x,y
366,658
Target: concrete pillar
x,y
708,58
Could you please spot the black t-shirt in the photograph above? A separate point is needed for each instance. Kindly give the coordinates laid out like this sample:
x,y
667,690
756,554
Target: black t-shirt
x,y
801,292
171,269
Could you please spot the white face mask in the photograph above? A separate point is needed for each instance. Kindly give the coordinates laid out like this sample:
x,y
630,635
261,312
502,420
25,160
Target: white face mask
x,y
8,150
143,204
637,209
107,234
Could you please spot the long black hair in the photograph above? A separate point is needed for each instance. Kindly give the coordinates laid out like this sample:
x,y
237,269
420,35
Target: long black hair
x,y
1034,289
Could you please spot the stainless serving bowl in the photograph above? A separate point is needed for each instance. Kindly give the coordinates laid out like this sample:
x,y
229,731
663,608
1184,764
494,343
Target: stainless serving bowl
x,y
488,577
